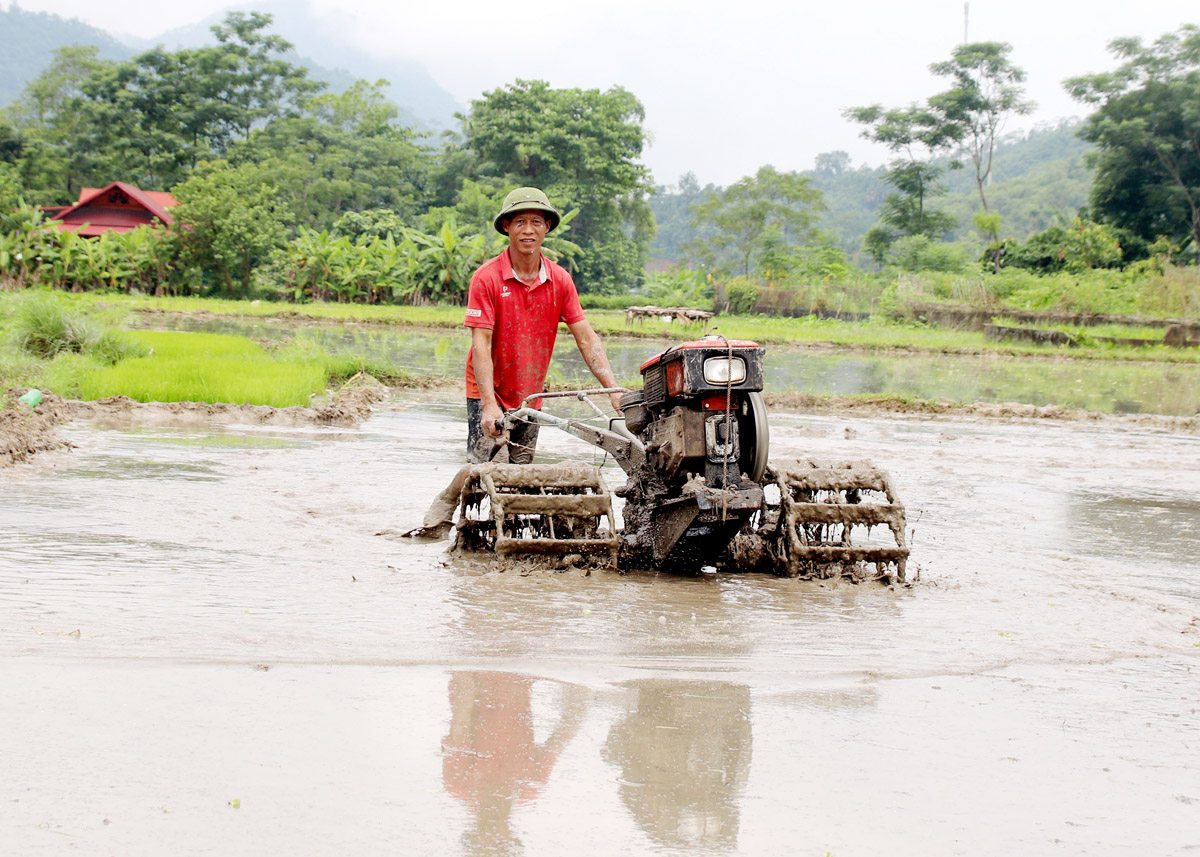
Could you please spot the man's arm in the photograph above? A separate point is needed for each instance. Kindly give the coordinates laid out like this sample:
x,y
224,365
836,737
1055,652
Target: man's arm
x,y
481,361
593,354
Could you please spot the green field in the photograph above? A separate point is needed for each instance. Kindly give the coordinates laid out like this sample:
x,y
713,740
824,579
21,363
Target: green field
x,y
875,334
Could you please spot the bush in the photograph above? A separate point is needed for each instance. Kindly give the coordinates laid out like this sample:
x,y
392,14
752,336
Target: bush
x,y
594,301
46,328
1173,292
920,253
1077,247
741,294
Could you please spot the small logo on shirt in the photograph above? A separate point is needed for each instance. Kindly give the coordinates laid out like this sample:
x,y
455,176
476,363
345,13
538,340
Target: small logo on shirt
x,y
474,313
504,292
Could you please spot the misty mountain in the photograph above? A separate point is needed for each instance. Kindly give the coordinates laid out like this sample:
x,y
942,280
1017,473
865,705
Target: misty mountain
x,y
329,58
1038,178
30,39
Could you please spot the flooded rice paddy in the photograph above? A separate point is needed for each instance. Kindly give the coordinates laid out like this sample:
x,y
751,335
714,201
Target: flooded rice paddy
x,y
213,642
1094,385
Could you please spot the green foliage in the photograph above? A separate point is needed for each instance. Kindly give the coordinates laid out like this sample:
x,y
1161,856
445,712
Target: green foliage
x,y
741,295
1146,128
1076,247
1171,291
230,220
757,216
679,286
614,302
344,154
918,253
404,264
917,135
986,90
46,326
582,148
151,119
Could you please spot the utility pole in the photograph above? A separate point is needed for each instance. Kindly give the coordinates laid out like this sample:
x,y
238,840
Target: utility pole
x,y
966,21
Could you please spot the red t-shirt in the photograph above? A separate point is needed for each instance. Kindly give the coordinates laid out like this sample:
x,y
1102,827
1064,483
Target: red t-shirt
x,y
524,321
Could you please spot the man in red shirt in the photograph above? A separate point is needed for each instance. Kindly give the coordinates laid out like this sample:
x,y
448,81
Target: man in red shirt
x,y
514,307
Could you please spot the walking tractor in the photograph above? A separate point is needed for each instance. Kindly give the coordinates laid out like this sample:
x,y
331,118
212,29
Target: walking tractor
x,y
699,489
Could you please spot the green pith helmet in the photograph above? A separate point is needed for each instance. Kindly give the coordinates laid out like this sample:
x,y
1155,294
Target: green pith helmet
x,y
527,199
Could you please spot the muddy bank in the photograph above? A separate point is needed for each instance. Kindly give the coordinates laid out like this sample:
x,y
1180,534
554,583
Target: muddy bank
x,y
25,431
351,404
889,405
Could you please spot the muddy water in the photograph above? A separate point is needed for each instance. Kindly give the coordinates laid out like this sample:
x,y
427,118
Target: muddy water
x,y
1095,385
213,642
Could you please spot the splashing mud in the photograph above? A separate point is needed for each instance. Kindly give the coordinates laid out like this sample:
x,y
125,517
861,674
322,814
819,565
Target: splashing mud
x,y
203,641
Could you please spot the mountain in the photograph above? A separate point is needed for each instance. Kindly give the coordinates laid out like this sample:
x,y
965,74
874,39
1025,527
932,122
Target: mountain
x,y
325,53
30,39
1038,178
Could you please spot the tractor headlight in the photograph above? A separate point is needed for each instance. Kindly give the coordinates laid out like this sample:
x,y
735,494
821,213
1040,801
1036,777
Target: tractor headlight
x,y
724,370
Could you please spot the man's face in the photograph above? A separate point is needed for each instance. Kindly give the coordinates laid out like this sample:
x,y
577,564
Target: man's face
x,y
526,232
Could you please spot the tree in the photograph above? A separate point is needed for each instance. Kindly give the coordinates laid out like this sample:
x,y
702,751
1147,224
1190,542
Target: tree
x,y
917,134
249,77
833,163
582,147
151,119
230,219
344,154
987,90
50,118
780,206
1147,131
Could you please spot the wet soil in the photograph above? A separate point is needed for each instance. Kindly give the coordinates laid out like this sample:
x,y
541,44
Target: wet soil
x,y
878,406
26,431
206,648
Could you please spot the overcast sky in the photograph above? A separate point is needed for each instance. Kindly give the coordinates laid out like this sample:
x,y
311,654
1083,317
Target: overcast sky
x,y
728,86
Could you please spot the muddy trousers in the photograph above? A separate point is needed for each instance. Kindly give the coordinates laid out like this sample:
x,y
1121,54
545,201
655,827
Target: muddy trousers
x,y
522,439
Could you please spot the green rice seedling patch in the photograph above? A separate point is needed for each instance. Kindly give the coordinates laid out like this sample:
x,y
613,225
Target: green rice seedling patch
x,y
208,367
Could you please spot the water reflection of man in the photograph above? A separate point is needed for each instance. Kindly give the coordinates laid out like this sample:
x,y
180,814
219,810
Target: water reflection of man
x,y
683,748
490,759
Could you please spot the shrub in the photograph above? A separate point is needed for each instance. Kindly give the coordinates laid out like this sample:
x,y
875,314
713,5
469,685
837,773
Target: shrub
x,y
920,253
1077,247
741,294
46,328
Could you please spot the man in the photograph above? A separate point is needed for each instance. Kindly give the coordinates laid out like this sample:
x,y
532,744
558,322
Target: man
x,y
514,307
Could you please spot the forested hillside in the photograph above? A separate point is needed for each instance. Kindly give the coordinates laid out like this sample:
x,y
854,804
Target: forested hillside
x,y
1038,178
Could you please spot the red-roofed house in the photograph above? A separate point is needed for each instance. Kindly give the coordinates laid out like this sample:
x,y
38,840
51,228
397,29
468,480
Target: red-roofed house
x,y
117,207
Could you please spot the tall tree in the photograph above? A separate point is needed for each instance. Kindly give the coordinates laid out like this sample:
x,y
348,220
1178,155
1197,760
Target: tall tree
x,y
986,91
581,146
151,119
769,206
50,118
344,154
1147,132
915,133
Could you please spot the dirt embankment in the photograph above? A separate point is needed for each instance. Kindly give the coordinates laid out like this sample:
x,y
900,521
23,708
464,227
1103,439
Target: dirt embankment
x,y
25,431
886,405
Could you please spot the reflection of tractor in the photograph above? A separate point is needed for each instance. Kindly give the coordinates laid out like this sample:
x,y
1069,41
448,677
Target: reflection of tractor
x,y
699,492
